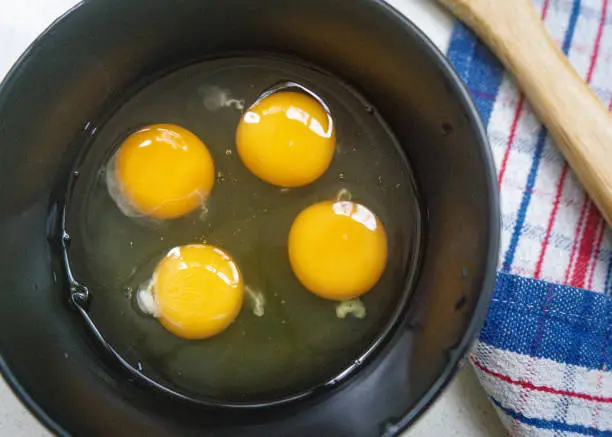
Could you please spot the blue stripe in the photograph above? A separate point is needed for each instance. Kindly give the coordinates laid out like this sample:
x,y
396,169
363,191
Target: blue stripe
x,y
478,67
569,372
537,158
606,289
571,28
525,201
555,322
461,49
552,425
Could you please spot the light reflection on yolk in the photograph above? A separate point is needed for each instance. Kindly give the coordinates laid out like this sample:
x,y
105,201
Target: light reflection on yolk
x,y
338,250
164,171
287,139
198,291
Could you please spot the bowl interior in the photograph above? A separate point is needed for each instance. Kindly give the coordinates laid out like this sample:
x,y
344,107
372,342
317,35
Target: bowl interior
x,y
94,55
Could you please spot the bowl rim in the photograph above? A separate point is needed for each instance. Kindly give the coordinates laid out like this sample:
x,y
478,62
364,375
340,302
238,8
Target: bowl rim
x,y
457,359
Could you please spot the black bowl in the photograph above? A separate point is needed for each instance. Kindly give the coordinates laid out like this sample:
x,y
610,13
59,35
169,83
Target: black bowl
x,y
89,58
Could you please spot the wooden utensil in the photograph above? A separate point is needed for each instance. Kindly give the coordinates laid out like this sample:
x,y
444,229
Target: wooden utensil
x,y
577,120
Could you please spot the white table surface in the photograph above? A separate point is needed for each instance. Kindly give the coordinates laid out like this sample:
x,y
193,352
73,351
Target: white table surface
x,y
462,411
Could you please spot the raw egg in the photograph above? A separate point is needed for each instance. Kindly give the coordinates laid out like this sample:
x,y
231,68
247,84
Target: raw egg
x,y
161,171
338,250
287,139
196,291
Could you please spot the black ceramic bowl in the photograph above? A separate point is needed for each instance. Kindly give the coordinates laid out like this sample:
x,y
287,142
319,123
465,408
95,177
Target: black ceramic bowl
x,y
89,58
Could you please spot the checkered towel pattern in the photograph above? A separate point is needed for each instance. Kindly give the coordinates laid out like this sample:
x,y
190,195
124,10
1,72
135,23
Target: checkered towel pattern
x,y
545,353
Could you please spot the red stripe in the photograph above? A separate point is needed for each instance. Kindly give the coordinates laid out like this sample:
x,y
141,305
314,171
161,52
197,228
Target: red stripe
x,y
530,386
586,246
577,235
551,222
545,10
597,251
602,22
513,129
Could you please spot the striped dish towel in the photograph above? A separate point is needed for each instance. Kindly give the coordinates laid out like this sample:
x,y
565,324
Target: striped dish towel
x,y
545,353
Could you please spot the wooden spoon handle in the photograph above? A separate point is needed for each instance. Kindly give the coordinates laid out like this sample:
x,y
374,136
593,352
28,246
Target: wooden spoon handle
x,y
576,119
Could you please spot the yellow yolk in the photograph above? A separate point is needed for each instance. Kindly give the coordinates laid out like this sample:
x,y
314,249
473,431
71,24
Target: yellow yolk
x,y
287,139
164,171
338,250
198,291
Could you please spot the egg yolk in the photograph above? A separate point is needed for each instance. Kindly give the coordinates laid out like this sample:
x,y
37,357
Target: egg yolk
x,y
164,171
198,291
338,250
287,139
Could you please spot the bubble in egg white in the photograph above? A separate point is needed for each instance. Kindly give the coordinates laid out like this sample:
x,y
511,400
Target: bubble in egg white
x,y
344,195
354,307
